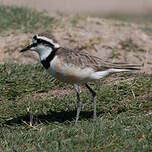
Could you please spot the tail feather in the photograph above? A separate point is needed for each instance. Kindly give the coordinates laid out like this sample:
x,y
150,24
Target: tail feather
x,y
124,66
101,74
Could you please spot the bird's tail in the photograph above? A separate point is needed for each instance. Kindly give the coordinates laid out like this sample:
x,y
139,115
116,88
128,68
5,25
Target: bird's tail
x,y
126,67
114,68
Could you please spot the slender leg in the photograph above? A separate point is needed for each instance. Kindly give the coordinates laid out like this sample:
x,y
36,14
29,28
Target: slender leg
x,y
76,88
94,101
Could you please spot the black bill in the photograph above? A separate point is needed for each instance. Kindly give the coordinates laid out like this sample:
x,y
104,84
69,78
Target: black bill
x,y
27,48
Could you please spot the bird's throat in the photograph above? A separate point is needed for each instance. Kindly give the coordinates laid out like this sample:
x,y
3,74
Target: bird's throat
x,y
46,62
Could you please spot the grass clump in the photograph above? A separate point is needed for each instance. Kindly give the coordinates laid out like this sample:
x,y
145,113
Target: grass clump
x,y
124,114
24,19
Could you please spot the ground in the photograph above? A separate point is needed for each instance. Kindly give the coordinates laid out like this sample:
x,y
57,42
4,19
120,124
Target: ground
x,y
37,112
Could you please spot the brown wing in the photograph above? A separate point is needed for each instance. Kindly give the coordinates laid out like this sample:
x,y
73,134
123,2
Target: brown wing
x,y
83,59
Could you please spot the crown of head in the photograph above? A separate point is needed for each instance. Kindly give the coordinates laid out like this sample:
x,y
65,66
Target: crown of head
x,y
40,39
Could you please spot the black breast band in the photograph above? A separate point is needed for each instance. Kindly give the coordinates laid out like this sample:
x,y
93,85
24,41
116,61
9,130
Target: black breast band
x,y
46,62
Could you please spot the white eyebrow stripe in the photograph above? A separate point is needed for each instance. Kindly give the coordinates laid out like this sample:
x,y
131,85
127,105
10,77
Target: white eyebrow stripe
x,y
56,45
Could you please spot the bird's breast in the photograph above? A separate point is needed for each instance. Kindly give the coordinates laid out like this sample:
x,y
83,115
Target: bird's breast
x,y
69,73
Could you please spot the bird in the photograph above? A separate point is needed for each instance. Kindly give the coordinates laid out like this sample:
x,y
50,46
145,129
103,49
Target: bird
x,y
74,66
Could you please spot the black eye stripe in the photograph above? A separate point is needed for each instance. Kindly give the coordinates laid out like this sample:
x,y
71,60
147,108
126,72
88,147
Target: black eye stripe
x,y
35,37
40,41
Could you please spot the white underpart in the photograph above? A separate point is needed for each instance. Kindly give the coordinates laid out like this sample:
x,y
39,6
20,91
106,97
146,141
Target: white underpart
x,y
56,45
101,74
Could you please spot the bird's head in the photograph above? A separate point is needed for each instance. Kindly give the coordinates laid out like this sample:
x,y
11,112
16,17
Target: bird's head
x,y
43,45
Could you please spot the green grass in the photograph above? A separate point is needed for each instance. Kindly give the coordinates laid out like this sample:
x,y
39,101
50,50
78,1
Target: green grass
x,y
24,20
124,114
143,21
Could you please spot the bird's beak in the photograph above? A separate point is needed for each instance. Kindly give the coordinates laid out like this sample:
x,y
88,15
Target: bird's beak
x,y
27,48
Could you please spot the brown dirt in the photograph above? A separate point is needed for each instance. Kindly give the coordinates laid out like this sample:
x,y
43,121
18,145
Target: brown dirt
x,y
112,40
10,46
60,93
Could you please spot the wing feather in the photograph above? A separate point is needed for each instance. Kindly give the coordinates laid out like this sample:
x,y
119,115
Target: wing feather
x,y
83,59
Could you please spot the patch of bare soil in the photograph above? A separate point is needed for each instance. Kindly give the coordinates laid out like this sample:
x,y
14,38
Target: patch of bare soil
x,y
60,93
111,40
11,45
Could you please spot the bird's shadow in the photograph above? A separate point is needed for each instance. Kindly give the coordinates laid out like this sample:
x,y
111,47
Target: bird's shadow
x,y
51,116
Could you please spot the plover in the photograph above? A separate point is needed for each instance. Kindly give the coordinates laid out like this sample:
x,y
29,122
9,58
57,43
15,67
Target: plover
x,y
74,66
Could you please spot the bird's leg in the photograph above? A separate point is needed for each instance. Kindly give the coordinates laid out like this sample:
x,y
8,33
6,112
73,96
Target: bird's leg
x,y
76,88
94,101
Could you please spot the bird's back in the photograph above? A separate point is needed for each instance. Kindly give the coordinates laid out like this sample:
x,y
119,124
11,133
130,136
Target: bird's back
x,y
83,59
